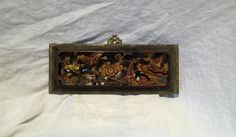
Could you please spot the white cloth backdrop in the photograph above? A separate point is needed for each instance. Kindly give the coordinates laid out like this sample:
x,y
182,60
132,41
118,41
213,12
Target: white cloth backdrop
x,y
204,29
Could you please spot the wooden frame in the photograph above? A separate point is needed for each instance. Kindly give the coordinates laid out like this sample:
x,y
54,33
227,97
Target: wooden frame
x,y
171,90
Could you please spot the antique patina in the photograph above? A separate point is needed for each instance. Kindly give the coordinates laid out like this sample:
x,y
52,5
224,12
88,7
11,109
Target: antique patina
x,y
113,68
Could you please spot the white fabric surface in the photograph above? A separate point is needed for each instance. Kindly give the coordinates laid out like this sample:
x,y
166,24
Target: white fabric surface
x,y
204,29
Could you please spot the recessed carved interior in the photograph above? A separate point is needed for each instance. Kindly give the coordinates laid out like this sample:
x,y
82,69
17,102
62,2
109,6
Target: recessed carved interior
x,y
122,69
